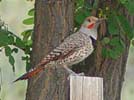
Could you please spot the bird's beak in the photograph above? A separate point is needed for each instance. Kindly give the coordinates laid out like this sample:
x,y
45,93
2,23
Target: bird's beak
x,y
100,20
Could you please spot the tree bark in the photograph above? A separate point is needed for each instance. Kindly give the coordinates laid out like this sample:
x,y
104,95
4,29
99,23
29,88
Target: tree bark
x,y
53,22
111,70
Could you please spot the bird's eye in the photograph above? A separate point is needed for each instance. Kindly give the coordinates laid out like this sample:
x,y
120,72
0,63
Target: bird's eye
x,y
89,20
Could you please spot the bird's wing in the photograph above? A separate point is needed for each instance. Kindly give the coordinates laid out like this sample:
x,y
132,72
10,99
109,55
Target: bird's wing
x,y
66,48
62,51
58,53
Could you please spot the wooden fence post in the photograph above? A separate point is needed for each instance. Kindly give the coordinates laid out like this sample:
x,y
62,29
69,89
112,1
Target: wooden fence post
x,y
86,88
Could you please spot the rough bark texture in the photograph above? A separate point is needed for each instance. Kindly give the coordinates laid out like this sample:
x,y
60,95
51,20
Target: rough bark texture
x,y
53,22
111,70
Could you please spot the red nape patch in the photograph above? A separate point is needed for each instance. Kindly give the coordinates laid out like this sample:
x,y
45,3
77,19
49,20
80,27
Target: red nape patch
x,y
90,26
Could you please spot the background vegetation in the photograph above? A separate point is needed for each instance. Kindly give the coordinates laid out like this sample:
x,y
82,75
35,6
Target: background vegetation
x,y
18,15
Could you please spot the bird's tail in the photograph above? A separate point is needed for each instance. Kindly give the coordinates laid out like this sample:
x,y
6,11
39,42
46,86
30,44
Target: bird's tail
x,y
30,74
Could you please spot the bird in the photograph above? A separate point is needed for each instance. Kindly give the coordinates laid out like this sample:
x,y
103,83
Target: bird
x,y
74,49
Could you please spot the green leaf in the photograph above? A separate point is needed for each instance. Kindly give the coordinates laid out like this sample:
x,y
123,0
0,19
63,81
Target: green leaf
x,y
105,52
82,10
118,47
28,67
105,40
81,15
26,34
31,12
28,43
10,39
125,26
27,50
115,49
20,43
123,1
25,58
12,61
15,50
8,51
113,29
113,25
79,3
6,38
129,4
113,54
114,41
3,38
28,21
80,18
132,42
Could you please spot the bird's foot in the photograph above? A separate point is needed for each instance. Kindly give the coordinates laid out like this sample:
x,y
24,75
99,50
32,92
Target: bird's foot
x,y
75,74
72,73
81,74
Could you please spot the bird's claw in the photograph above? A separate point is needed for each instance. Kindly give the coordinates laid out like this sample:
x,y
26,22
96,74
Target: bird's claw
x,y
81,74
75,74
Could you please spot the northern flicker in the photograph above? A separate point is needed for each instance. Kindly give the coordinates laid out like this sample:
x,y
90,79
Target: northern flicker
x,y
74,49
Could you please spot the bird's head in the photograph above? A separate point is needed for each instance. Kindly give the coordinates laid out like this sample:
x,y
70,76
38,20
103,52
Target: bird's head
x,y
91,24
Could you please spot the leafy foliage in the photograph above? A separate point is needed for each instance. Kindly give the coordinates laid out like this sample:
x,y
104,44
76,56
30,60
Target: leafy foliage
x,y
27,38
112,25
31,12
114,49
113,43
125,26
133,42
12,43
28,21
6,39
129,4
81,12
118,25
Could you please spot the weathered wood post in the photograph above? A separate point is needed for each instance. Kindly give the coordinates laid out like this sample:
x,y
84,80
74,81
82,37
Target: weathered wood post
x,y
86,88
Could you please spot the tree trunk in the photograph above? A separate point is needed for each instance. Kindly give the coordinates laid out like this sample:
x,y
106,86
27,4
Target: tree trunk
x,y
111,70
53,22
